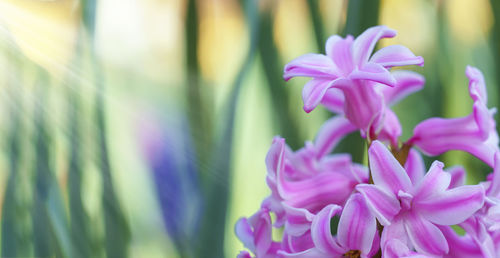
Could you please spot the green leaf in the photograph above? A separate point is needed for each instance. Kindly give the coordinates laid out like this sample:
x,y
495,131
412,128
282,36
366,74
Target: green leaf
x,y
50,230
273,70
116,226
211,236
14,242
361,15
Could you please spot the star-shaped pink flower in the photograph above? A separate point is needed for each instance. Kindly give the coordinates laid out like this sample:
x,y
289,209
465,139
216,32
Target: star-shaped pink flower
x,y
410,211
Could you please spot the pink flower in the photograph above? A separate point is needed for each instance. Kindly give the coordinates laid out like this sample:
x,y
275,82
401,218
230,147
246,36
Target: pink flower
x,y
255,233
386,125
395,248
475,133
348,66
482,227
410,211
357,232
310,178
461,246
415,167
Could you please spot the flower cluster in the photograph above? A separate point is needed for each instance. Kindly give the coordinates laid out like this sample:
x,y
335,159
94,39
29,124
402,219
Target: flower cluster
x,y
326,205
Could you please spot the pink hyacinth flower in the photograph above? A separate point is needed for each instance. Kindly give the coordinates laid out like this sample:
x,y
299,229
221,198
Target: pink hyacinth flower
x,y
256,234
311,177
415,167
387,127
296,244
462,246
475,133
348,66
357,232
410,211
310,167
397,249
482,227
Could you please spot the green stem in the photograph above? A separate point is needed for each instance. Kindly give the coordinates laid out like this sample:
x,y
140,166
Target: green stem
x,y
79,219
43,238
117,230
14,211
213,225
317,24
273,70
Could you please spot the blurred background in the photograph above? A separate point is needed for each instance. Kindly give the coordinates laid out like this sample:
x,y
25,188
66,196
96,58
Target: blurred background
x,y
139,128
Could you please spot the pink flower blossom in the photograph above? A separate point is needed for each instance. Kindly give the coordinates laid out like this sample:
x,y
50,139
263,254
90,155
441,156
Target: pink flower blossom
x,y
410,212
348,66
482,227
357,232
256,234
475,133
387,127
310,178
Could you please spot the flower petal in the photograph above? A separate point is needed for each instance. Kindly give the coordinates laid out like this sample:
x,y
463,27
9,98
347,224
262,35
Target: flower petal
x,y
391,129
386,170
314,91
477,87
453,206
334,100
375,245
395,249
340,163
244,254
296,244
360,173
462,246
484,120
394,231
396,55
331,133
373,72
273,204
476,228
365,43
415,166
262,232
304,162
493,218
275,157
407,82
244,233
457,174
310,65
315,192
339,50
474,133
357,226
363,106
383,204
298,220
310,253
435,182
435,136
321,230
424,236
494,188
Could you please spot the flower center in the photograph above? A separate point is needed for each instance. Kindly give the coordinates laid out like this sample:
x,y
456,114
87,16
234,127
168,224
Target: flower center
x,y
405,200
353,254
